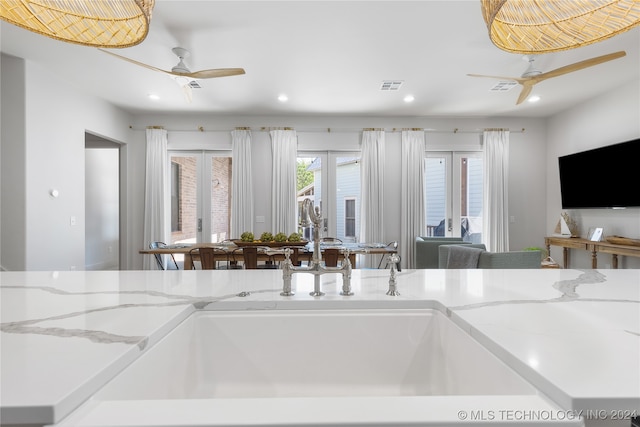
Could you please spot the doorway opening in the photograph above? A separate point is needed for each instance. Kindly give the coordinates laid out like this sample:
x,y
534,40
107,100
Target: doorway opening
x,y
102,203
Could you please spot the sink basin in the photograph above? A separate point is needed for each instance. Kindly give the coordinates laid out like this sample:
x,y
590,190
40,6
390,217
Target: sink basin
x,y
388,367
315,354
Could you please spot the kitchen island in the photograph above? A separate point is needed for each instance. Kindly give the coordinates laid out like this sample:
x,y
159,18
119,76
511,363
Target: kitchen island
x,y
574,335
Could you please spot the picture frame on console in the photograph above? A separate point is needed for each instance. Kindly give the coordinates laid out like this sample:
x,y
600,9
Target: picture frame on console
x,y
595,234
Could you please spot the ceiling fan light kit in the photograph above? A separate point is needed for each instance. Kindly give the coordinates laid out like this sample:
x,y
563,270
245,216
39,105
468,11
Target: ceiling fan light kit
x,y
104,23
530,27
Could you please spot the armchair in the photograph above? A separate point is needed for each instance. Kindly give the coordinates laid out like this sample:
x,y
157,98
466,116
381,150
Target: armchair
x,y
426,249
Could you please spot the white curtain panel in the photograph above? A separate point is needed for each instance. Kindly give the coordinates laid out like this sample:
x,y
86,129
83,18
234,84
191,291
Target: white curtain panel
x,y
372,187
284,150
242,188
496,190
412,203
157,207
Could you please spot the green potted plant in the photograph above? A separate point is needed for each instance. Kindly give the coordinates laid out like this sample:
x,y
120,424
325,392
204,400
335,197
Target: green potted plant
x,y
543,251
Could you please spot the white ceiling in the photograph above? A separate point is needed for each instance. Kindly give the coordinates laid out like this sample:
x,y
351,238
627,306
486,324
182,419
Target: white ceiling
x,y
328,57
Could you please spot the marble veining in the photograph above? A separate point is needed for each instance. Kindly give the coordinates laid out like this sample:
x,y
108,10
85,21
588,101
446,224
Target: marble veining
x,y
96,336
566,287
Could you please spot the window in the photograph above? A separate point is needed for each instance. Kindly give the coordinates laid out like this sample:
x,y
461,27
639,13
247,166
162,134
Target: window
x,y
454,185
350,217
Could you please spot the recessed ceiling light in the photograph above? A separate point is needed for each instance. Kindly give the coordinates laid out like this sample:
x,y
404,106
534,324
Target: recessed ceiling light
x,y
534,98
283,98
153,97
409,98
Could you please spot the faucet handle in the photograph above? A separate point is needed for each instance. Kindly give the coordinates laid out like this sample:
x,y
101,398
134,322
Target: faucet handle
x,y
394,259
346,253
393,290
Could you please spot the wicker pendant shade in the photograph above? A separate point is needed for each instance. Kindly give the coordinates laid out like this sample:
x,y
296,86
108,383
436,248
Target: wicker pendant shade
x,y
99,23
540,26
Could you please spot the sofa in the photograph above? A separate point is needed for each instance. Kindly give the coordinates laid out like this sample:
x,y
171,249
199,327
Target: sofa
x,y
505,260
426,249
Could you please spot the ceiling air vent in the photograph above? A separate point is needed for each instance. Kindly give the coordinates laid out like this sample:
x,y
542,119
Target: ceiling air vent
x,y
503,86
391,84
194,84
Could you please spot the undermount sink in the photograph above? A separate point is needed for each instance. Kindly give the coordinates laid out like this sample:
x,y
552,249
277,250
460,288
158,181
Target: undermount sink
x,y
357,362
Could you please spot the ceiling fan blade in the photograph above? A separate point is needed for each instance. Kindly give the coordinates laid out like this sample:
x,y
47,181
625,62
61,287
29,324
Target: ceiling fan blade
x,y
526,90
209,74
204,74
515,79
133,61
578,66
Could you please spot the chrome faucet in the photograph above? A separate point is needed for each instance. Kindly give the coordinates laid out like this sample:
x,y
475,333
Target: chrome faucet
x,y
313,217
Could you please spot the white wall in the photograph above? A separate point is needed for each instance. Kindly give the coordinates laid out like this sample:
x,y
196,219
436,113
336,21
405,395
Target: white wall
x,y
527,178
608,119
13,227
55,116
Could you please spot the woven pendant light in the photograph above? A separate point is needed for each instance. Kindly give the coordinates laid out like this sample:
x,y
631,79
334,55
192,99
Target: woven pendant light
x,y
540,26
99,23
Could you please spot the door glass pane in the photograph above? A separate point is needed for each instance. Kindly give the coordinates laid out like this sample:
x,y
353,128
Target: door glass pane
x,y
308,186
471,199
347,197
175,197
220,198
436,195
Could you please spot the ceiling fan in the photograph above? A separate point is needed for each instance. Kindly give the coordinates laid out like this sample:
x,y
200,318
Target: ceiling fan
x,y
532,75
181,73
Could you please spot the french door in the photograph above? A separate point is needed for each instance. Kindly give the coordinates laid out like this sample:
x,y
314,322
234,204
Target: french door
x,y
200,196
332,180
453,195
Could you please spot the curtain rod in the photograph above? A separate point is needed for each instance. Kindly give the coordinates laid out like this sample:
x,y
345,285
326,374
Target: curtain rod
x,y
330,130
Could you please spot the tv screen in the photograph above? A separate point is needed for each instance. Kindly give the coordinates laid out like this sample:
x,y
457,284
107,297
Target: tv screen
x,y
605,177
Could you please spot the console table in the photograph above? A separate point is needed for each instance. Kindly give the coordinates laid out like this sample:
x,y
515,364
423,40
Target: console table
x,y
594,247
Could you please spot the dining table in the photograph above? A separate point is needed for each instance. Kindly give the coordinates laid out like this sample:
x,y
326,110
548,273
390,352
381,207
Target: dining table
x,y
271,253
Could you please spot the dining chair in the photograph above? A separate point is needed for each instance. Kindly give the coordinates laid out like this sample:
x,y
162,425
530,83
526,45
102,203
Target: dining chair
x,y
250,256
233,257
208,257
159,260
330,256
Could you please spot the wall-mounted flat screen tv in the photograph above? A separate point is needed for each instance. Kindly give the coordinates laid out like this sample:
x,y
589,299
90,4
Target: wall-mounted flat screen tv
x,y
605,177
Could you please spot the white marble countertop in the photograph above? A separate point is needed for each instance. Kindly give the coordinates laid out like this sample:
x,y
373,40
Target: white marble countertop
x,y
573,334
